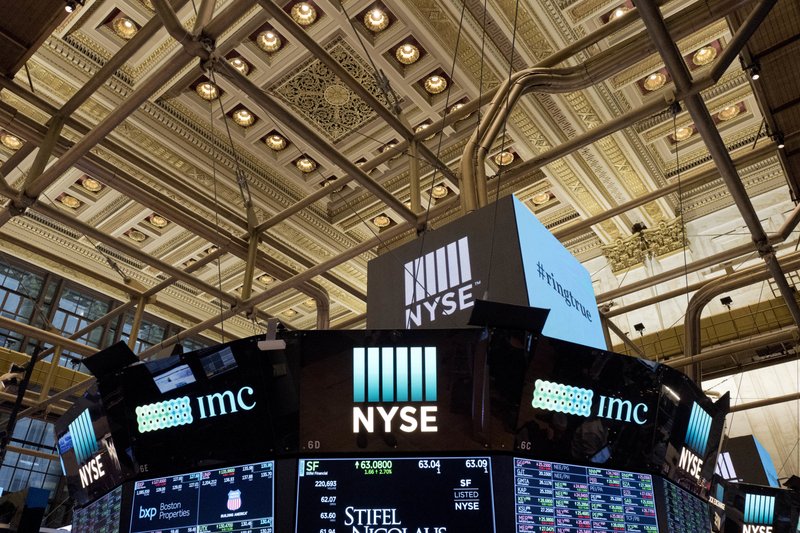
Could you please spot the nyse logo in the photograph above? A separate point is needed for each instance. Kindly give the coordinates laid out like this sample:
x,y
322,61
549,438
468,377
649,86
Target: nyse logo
x,y
84,441
178,411
570,400
438,284
399,375
759,511
725,467
696,441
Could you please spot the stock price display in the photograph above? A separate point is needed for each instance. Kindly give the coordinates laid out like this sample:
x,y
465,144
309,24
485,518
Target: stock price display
x,y
685,513
230,499
102,516
398,495
566,498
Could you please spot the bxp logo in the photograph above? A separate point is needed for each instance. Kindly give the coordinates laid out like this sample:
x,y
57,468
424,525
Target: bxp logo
x,y
147,512
178,411
758,513
398,375
438,283
84,442
570,400
696,440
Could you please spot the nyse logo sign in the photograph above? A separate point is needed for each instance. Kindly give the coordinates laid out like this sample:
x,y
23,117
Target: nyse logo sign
x,y
394,375
696,441
84,442
759,511
438,284
570,400
178,411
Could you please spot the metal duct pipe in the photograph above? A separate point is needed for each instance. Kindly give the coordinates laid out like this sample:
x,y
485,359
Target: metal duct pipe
x,y
204,15
767,401
782,335
600,67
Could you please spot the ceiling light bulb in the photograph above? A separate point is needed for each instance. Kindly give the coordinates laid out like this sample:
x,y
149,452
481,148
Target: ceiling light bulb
x,y
275,142
70,201
306,165
504,158
158,221
407,54
540,198
376,20
704,55
617,13
439,192
91,184
655,81
266,279
12,142
290,312
304,13
269,41
124,27
207,90
240,65
728,112
382,221
435,84
135,235
244,118
683,133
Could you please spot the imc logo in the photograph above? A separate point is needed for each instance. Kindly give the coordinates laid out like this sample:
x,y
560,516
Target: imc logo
x,y
178,411
696,440
394,375
438,284
577,401
84,442
758,513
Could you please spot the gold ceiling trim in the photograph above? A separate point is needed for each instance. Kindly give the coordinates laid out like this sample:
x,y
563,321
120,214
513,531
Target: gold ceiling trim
x,y
588,8
528,31
659,241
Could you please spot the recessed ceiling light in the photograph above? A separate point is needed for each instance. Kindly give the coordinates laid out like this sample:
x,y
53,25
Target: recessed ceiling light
x,y
435,84
704,56
207,90
158,221
728,112
617,13
407,54
266,279
91,184
541,198
124,27
655,81
239,64
275,142
310,303
376,20
683,133
439,192
306,165
244,118
189,262
290,312
70,201
135,235
504,158
304,13
382,221
211,249
269,41
12,142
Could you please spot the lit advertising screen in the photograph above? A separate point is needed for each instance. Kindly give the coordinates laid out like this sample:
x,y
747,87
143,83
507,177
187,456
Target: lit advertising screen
x,y
397,494
561,497
101,516
231,499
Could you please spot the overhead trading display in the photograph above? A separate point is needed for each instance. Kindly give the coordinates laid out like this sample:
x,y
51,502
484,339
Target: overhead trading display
x,y
229,499
102,516
429,495
681,511
568,498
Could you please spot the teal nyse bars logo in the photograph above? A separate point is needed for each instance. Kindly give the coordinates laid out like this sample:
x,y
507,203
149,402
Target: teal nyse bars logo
x,y
577,401
403,381
759,512
438,284
84,442
179,412
696,441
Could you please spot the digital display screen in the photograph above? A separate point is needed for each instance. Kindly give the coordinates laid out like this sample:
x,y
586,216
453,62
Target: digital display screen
x,y
232,499
561,497
430,494
102,516
218,362
174,379
681,511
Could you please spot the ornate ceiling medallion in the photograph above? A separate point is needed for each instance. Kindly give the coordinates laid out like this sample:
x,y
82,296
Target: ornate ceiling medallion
x,y
269,41
158,221
275,142
124,27
12,142
207,90
336,94
244,118
376,20
91,184
306,165
304,13
382,221
704,56
728,112
70,201
504,158
683,133
239,64
655,81
407,54
435,84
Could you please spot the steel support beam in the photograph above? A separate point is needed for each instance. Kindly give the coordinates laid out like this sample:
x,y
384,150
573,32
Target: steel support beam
x,y
765,402
137,323
46,336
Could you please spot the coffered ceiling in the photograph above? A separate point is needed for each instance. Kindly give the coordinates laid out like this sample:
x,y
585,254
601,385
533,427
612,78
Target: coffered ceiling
x,y
171,185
